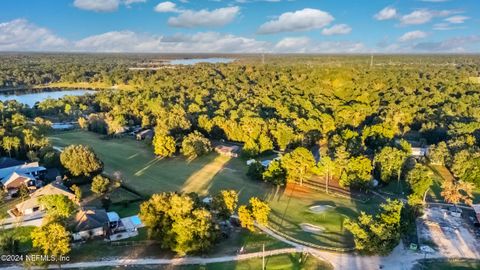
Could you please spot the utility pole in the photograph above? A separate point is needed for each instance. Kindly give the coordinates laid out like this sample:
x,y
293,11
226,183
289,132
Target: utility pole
x,y
263,256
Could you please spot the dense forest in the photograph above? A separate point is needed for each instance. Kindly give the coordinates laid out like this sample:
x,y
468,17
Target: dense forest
x,y
352,105
364,113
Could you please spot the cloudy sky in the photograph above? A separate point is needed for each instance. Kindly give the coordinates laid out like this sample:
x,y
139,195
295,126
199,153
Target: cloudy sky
x,y
241,26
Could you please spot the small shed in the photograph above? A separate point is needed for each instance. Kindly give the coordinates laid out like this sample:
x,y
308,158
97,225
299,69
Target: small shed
x,y
251,161
145,135
266,163
226,150
419,151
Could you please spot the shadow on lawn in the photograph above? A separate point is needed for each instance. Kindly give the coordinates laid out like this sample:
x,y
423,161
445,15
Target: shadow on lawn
x,y
230,174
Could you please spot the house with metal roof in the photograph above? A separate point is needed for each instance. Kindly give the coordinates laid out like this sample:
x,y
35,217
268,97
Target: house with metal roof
x,y
28,174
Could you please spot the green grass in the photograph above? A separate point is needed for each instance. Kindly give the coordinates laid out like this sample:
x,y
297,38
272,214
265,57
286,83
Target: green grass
x,y
287,261
287,215
119,195
5,206
126,209
252,242
278,262
141,171
22,234
447,265
147,174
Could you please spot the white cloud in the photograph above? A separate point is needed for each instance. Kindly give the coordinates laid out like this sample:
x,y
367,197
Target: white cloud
x,y
386,14
306,45
97,5
129,2
417,17
457,44
435,1
166,7
292,44
338,29
204,18
422,16
104,5
128,41
457,19
21,35
413,35
301,20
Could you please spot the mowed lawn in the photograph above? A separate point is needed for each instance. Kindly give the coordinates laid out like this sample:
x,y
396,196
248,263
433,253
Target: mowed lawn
x,y
142,171
147,174
294,261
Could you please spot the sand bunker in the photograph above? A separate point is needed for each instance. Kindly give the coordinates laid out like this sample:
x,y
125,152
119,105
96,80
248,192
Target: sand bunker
x,y
320,208
307,227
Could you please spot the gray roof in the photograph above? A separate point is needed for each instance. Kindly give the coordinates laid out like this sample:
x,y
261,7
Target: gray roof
x,y
90,218
6,162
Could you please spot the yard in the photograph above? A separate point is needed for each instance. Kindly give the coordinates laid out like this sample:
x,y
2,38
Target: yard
x,y
5,206
138,247
278,262
141,171
22,234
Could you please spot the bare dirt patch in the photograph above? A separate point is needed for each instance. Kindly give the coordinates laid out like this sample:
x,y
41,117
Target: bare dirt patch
x,y
451,236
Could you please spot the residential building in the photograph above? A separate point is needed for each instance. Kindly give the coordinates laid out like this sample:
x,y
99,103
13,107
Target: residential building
x,y
32,205
28,174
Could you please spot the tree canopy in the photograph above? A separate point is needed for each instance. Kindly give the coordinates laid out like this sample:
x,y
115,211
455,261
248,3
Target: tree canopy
x,y
195,145
51,239
298,164
80,160
179,222
377,234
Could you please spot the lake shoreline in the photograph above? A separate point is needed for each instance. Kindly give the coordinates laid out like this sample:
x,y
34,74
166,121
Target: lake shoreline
x,y
31,96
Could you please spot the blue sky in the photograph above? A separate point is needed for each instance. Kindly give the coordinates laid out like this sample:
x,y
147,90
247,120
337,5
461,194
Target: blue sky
x,y
315,26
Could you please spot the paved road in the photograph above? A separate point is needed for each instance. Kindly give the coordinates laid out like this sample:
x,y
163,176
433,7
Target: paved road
x,y
399,259
30,220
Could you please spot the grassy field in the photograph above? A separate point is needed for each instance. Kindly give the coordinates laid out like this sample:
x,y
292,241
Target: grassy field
x,y
22,234
288,261
279,262
251,242
147,174
5,206
447,265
